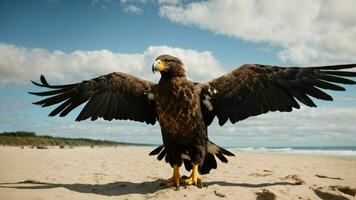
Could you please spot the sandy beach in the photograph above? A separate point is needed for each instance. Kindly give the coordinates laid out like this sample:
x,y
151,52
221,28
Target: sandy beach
x,y
127,172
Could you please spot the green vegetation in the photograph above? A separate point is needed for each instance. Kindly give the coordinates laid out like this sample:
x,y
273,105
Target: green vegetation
x,y
22,138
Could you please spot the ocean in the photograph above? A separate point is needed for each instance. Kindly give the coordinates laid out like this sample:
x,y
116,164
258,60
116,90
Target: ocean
x,y
325,150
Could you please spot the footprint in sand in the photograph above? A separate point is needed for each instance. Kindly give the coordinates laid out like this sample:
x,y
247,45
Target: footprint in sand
x,y
296,178
269,173
265,195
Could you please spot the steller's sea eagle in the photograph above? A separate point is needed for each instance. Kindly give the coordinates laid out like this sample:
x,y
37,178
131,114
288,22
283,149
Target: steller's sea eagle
x,y
184,109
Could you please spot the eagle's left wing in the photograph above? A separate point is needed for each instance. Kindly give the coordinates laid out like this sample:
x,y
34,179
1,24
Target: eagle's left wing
x,y
253,89
113,96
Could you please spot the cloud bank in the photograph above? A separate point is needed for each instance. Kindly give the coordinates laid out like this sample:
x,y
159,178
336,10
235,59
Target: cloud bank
x,y
20,65
304,127
309,32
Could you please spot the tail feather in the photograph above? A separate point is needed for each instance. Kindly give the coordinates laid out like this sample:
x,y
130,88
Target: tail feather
x,y
209,162
157,150
160,151
162,154
221,157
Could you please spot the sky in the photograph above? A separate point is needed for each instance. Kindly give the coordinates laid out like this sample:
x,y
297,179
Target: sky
x,y
70,41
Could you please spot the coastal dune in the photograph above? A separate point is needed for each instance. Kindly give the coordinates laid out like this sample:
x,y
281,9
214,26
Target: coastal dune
x,y
127,172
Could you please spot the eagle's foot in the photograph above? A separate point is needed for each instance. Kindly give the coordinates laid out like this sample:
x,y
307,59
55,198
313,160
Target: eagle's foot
x,y
193,179
175,180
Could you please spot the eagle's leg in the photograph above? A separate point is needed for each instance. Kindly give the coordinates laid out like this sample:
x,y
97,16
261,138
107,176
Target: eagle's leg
x,y
175,180
194,177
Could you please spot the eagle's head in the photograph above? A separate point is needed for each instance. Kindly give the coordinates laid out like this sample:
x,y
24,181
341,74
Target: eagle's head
x,y
169,66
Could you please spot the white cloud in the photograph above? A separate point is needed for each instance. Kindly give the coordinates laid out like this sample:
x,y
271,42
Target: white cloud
x,y
133,6
128,6
133,9
20,65
170,2
133,1
104,4
309,32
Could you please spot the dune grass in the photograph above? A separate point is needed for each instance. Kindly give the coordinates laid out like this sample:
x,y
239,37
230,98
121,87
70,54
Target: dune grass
x,y
22,138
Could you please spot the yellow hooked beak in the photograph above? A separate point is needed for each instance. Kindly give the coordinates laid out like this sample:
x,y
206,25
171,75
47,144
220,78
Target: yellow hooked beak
x,y
159,66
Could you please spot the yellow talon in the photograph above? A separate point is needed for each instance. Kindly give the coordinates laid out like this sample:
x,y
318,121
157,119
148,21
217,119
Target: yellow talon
x,y
175,180
194,177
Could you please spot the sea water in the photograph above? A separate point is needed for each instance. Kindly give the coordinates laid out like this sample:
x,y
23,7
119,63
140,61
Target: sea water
x,y
325,150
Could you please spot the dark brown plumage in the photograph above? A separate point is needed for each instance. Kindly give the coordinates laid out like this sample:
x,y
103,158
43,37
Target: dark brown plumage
x,y
184,109
252,90
112,96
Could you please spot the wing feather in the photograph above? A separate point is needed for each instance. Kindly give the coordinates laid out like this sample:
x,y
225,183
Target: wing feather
x,y
55,99
74,102
111,106
60,108
329,86
336,79
88,109
319,94
340,73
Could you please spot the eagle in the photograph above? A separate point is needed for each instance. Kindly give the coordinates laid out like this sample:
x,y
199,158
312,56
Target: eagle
x,y
185,109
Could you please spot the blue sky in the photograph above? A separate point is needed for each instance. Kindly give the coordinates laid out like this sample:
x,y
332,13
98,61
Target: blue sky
x,y
75,40
81,25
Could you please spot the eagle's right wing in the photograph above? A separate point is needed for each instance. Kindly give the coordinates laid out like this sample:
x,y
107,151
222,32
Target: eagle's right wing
x,y
112,96
252,90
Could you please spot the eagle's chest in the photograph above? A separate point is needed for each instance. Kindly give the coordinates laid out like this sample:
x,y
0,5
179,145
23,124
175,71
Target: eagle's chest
x,y
178,107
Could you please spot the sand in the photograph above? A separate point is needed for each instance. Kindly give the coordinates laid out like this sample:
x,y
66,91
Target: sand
x,y
128,172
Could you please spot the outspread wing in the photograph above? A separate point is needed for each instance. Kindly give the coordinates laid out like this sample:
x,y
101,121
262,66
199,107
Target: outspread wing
x,y
112,96
253,89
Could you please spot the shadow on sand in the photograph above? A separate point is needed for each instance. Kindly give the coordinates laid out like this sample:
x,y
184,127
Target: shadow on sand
x,y
247,185
121,188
